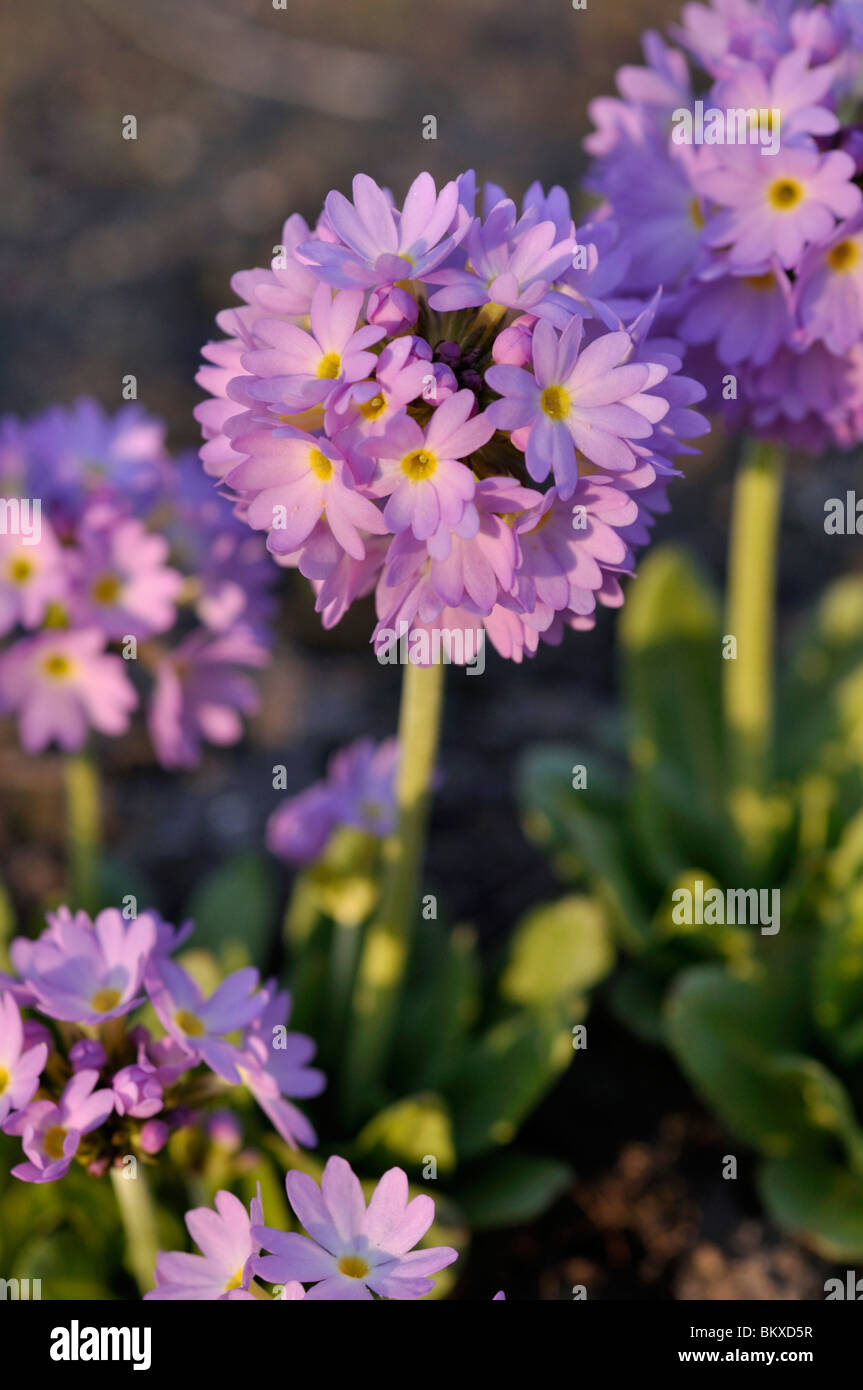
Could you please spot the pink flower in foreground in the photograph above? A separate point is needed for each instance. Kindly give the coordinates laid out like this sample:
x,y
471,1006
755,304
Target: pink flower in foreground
x,y
353,1251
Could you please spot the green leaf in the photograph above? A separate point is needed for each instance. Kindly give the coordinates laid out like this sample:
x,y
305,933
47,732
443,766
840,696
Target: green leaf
x,y
637,995
725,1033
819,719
557,951
670,638
585,831
503,1076
837,1001
439,1005
825,1105
511,1188
818,1201
408,1133
236,907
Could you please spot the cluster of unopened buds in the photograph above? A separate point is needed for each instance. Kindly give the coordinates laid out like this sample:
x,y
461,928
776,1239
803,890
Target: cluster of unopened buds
x,y
122,572
81,1082
448,405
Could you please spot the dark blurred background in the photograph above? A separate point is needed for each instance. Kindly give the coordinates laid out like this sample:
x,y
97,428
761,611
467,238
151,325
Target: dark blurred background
x,y
121,250
116,256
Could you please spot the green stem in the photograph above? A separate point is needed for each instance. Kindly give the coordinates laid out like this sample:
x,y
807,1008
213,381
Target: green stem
x,y
386,947
83,823
751,609
138,1215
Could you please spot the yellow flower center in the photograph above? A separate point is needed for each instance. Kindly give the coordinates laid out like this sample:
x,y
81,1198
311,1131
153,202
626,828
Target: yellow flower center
x,y
760,282
843,256
54,1139
370,410
57,666
106,588
695,213
4,1079
321,466
419,465
353,1266
104,1000
330,365
235,1281
56,615
784,194
189,1023
555,402
20,570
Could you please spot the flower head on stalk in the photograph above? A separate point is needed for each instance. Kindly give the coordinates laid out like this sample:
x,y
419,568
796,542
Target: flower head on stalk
x,y
119,565
755,239
398,375
73,1093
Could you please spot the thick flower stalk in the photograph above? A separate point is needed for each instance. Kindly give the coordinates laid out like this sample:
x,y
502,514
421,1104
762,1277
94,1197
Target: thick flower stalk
x,y
124,580
354,1250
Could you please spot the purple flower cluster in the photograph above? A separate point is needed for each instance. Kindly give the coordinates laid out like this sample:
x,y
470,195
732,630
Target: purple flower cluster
x,y
116,561
448,404
756,235
77,1083
358,791
353,1251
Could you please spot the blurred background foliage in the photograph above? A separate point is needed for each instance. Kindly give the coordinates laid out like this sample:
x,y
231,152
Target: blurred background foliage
x,y
767,1026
